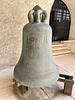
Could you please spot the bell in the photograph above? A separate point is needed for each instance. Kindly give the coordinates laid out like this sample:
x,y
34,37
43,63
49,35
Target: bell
x,y
36,67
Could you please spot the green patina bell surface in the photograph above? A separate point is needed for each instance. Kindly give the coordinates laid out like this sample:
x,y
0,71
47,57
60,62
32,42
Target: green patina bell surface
x,y
36,67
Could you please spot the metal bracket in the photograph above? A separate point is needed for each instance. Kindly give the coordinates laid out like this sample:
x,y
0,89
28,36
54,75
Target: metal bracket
x,y
68,83
20,88
66,79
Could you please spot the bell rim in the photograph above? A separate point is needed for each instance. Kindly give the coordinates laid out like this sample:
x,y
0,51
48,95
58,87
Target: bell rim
x,y
44,84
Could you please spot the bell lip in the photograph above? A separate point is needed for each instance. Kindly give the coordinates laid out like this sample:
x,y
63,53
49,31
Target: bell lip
x,y
38,86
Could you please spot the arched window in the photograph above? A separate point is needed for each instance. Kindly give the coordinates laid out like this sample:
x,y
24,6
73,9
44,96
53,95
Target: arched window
x,y
60,21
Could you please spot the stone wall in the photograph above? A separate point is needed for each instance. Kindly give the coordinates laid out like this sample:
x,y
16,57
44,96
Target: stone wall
x,y
13,16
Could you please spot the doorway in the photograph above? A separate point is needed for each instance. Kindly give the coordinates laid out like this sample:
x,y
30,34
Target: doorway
x,y
60,21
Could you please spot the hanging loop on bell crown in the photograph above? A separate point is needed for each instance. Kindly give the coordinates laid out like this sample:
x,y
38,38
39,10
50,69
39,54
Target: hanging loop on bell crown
x,y
37,15
31,16
45,16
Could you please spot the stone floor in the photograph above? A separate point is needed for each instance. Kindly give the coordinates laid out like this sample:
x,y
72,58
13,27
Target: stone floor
x,y
66,65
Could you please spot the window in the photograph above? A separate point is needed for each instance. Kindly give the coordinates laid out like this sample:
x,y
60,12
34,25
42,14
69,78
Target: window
x,y
60,21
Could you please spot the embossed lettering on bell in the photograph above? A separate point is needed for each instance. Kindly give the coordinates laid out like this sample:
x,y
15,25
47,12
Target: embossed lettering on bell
x,y
36,67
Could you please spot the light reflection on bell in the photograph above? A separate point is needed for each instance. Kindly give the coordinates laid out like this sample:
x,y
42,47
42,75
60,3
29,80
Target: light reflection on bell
x,y
36,67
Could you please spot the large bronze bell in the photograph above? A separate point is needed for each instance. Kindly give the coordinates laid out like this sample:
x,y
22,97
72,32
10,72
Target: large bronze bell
x,y
36,67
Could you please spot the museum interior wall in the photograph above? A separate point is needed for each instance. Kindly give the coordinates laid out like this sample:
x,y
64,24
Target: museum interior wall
x,y
13,16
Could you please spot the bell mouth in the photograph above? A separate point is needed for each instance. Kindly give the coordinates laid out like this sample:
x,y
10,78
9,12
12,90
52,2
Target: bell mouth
x,y
43,81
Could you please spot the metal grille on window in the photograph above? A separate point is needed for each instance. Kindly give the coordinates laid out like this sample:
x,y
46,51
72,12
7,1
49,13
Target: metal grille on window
x,y
60,20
